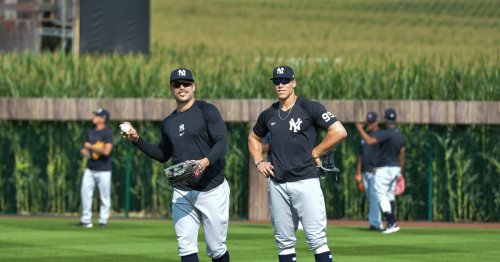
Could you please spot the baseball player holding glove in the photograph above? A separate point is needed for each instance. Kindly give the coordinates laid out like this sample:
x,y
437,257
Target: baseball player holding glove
x,y
389,165
97,148
294,189
367,161
195,137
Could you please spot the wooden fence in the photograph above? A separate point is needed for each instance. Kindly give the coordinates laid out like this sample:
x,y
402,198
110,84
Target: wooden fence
x,y
247,110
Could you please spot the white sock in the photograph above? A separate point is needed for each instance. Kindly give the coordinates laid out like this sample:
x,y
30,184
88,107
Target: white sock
x,y
321,249
286,251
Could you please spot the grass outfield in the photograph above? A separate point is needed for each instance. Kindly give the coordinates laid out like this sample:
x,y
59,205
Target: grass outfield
x,y
48,239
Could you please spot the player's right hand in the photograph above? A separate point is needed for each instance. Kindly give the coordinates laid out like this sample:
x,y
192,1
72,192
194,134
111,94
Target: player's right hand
x,y
266,169
131,135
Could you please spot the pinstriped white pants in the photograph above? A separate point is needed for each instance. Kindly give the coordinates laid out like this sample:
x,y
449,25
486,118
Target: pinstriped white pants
x,y
89,181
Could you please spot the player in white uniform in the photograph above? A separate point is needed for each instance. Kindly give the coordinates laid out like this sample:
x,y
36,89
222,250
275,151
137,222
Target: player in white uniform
x,y
97,148
389,165
194,131
367,162
294,188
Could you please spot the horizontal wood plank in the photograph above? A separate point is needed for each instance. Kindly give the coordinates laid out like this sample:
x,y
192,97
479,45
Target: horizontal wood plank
x,y
247,110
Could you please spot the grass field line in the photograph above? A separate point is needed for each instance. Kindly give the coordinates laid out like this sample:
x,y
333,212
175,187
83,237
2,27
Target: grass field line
x,y
334,222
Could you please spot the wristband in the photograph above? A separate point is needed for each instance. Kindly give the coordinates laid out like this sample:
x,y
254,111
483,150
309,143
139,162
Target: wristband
x,y
258,163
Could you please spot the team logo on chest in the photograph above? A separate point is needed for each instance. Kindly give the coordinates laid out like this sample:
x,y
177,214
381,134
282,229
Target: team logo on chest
x,y
181,129
295,125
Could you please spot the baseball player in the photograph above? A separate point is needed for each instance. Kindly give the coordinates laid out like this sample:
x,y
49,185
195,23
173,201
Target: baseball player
x,y
294,188
367,161
389,165
194,131
97,148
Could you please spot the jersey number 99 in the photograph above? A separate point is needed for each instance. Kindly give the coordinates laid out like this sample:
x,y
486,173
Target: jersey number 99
x,y
327,116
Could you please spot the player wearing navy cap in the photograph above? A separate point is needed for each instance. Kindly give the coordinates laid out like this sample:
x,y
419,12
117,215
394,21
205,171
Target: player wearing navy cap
x,y
389,165
195,130
97,148
294,189
367,162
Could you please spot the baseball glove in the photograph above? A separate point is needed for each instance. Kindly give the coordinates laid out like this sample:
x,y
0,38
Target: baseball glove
x,y
359,183
182,172
327,166
400,186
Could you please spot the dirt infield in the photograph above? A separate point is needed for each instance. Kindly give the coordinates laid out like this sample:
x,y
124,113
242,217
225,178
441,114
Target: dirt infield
x,y
336,222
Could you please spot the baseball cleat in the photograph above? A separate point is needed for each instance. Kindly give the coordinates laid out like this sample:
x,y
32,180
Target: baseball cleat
x,y
391,229
375,228
84,225
103,225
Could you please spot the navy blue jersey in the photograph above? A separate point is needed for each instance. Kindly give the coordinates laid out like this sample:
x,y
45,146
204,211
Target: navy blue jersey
x,y
99,162
194,134
294,135
369,154
390,143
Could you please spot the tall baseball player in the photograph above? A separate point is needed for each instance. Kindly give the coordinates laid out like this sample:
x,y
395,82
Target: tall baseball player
x,y
195,130
294,188
97,148
367,161
389,166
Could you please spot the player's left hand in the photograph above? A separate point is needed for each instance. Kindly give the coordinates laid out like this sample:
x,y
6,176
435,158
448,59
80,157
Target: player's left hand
x,y
266,169
204,163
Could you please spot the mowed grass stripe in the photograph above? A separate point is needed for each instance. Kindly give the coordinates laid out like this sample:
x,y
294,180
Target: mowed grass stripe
x,y
133,240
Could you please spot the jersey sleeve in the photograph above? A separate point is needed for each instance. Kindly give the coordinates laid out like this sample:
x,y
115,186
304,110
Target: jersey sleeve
x,y
320,115
260,127
160,152
108,137
217,132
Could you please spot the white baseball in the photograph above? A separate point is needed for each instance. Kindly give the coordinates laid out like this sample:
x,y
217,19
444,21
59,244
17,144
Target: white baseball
x,y
125,127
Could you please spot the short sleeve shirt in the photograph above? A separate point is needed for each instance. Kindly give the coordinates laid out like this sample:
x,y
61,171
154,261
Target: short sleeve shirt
x,y
294,135
390,143
99,162
369,154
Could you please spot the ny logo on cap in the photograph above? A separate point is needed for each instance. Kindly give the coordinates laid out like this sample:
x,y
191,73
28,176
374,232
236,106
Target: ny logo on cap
x,y
99,110
280,70
181,72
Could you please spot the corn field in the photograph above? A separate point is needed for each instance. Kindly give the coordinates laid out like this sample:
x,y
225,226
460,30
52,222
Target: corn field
x,y
41,169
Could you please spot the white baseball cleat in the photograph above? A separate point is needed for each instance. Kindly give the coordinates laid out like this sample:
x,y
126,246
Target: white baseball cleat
x,y
84,225
391,229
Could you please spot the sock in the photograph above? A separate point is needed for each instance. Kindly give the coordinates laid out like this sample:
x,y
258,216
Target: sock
x,y
323,257
393,207
223,258
190,258
391,219
287,258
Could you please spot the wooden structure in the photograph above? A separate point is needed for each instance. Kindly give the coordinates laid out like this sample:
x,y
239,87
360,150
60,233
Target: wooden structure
x,y
247,110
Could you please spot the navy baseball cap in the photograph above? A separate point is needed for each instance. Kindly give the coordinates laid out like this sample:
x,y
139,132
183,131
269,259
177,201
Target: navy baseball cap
x,y
181,74
102,113
283,72
390,114
371,117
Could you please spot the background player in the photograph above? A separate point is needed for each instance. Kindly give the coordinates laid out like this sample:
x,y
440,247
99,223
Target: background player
x,y
367,161
294,190
389,165
97,148
195,130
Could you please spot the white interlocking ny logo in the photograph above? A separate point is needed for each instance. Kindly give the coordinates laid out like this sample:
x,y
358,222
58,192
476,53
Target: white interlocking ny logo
x,y
280,70
181,72
181,127
295,124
